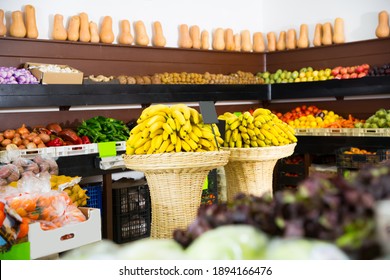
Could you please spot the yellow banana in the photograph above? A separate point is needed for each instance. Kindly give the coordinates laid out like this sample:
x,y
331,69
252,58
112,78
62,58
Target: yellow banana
x,y
261,119
156,145
171,122
231,119
186,147
187,127
261,143
254,143
140,142
182,133
204,142
242,129
191,142
139,151
145,133
165,135
235,134
251,133
235,124
177,124
129,150
167,128
194,116
184,109
245,137
152,110
197,131
147,145
193,136
216,129
178,145
170,148
134,139
173,137
150,151
261,111
138,128
228,134
153,119
207,134
176,114
164,146
243,122
157,132
156,126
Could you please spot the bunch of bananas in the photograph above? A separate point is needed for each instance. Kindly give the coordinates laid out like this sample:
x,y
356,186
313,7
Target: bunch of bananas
x,y
261,129
178,128
77,195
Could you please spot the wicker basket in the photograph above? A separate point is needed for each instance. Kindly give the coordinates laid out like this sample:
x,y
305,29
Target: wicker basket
x,y
250,170
175,183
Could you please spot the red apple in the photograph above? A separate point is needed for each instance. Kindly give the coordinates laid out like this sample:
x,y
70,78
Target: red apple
x,y
351,69
345,76
336,70
359,69
338,77
353,76
343,70
361,75
366,66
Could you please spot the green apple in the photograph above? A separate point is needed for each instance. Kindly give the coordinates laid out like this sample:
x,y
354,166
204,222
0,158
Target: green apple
x,y
295,74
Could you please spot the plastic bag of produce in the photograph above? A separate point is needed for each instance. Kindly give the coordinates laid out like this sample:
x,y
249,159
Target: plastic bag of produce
x,y
230,242
303,249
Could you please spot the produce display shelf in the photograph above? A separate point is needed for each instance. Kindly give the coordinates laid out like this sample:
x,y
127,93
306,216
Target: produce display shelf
x,y
65,151
358,132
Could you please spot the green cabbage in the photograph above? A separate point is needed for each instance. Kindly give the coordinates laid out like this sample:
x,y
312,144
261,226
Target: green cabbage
x,y
229,242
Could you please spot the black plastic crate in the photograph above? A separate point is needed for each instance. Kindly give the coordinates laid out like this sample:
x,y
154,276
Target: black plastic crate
x,y
353,160
131,210
131,227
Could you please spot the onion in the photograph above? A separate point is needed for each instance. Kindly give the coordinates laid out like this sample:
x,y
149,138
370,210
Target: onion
x,y
17,141
1,138
22,130
41,145
22,147
37,140
9,133
45,138
6,142
31,145
31,136
25,142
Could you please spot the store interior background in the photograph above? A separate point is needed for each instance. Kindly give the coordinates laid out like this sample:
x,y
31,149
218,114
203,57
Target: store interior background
x,y
360,16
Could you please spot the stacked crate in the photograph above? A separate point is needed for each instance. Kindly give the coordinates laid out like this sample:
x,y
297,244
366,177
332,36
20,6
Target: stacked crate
x,y
131,210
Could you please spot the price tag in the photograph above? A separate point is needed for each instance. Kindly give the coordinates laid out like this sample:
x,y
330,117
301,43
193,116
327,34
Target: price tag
x,y
107,149
206,183
209,114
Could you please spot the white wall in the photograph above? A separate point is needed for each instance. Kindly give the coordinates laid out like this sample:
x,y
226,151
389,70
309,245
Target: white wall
x,y
207,14
256,15
360,16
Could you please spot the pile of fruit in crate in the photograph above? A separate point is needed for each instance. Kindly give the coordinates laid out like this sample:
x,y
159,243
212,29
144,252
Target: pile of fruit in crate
x,y
312,117
380,119
94,130
308,74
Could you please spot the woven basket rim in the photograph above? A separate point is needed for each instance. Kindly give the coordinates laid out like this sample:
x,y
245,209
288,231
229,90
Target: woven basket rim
x,y
260,153
174,161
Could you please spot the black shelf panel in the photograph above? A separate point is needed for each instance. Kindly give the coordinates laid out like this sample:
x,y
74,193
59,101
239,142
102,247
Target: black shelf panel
x,y
13,96
315,144
332,88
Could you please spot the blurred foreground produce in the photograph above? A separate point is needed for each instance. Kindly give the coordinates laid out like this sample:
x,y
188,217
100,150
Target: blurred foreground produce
x,y
229,242
334,210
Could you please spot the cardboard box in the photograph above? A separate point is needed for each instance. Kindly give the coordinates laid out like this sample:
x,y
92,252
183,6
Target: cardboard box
x,y
48,242
75,77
